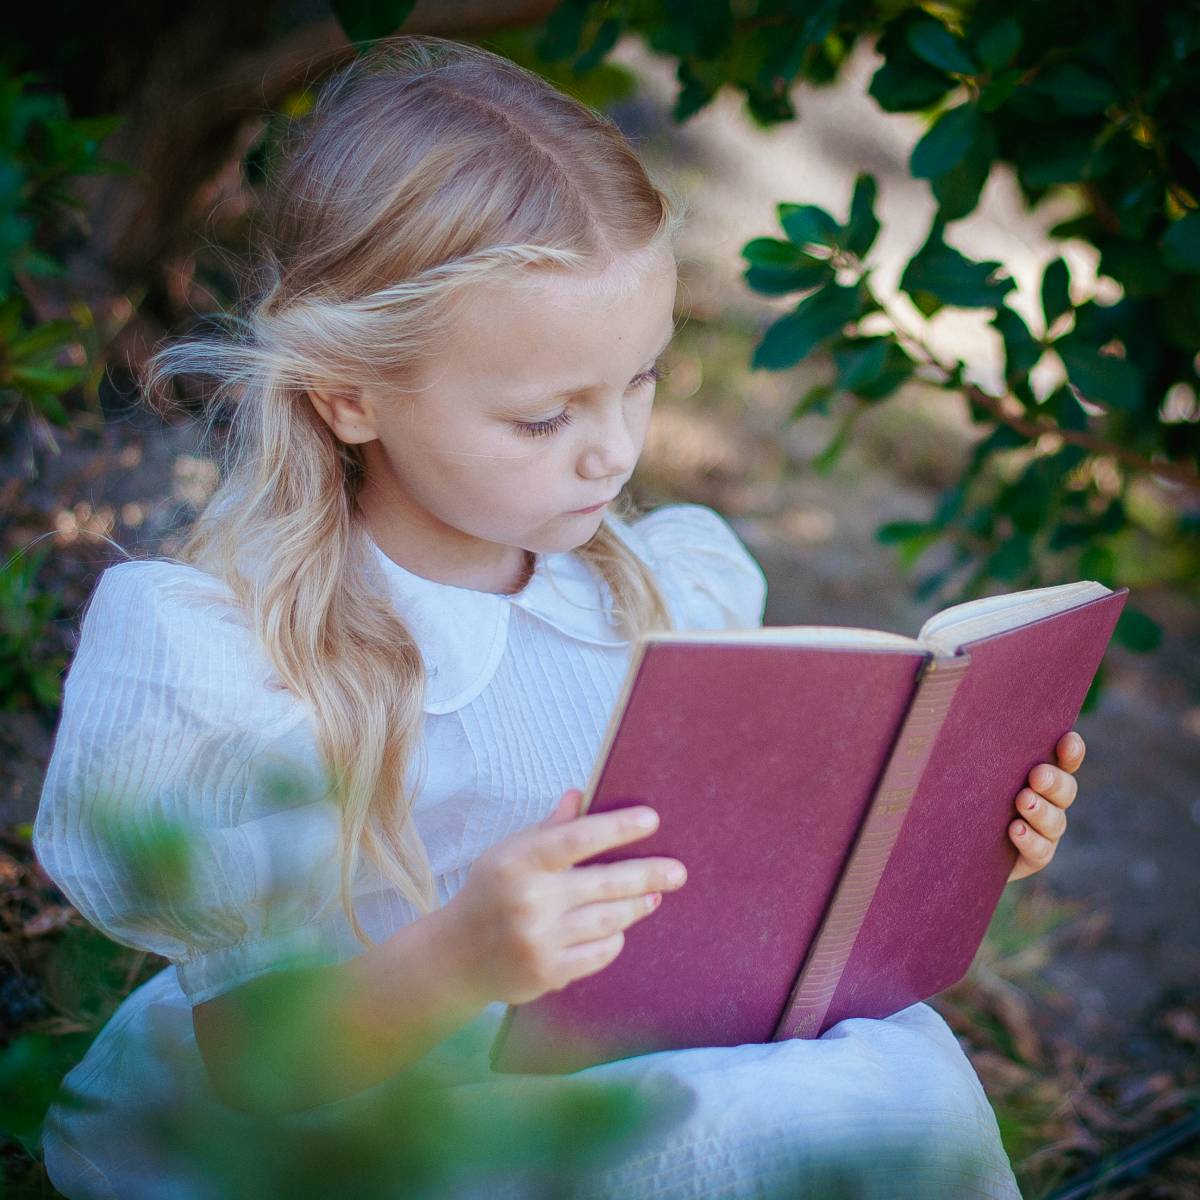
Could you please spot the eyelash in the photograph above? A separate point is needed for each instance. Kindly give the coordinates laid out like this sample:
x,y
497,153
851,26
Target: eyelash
x,y
552,424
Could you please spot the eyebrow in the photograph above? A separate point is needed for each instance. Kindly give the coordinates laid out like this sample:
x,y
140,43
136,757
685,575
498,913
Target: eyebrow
x,y
572,391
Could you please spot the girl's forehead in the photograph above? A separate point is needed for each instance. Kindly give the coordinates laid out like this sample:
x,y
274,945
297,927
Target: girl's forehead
x,y
571,333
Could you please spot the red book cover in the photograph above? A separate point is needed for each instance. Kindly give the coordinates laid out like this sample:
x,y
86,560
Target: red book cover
x,y
817,888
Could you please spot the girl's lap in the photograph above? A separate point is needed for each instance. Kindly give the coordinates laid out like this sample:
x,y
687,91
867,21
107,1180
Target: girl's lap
x,y
873,1108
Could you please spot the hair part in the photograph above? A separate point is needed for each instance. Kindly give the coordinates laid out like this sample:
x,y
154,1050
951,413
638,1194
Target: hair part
x,y
425,167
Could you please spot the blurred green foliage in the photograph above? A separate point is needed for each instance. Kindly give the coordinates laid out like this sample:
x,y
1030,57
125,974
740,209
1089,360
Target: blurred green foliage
x,y
42,150
30,674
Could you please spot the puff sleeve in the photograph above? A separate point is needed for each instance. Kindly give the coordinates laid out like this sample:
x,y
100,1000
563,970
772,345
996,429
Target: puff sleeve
x,y
704,567
170,727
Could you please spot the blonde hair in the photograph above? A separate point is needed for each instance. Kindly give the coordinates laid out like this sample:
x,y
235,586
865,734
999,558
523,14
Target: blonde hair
x,y
424,166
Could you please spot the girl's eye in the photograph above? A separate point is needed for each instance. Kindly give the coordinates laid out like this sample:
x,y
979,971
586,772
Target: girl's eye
x,y
542,428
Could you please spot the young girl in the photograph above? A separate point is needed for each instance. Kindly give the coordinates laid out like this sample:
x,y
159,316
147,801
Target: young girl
x,y
413,590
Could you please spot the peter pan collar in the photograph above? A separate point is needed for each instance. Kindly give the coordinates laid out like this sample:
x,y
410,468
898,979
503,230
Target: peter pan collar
x,y
462,632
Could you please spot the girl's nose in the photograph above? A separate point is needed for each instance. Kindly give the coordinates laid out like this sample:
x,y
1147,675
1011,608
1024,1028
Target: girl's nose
x,y
611,447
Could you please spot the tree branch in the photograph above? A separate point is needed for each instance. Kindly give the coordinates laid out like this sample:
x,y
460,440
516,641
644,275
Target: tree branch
x,y
1034,428
1176,472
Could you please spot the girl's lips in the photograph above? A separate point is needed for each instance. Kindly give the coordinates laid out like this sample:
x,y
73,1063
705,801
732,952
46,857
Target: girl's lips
x,y
593,507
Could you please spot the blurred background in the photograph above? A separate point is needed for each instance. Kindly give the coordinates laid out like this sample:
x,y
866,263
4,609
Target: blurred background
x,y
981,223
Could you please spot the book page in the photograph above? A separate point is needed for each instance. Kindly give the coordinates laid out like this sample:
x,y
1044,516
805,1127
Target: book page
x,y
795,635
961,623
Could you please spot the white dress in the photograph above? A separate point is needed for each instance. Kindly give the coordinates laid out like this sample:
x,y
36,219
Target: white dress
x,y
172,713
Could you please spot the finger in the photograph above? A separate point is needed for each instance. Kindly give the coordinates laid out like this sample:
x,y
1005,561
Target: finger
x,y
564,845
590,922
1070,750
1047,819
1035,849
615,881
567,808
587,958
1054,783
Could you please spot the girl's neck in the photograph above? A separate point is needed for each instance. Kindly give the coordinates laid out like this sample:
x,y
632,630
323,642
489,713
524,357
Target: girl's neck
x,y
412,543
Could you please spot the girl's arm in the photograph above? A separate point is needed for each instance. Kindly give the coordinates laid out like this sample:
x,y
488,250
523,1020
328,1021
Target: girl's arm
x,y
527,921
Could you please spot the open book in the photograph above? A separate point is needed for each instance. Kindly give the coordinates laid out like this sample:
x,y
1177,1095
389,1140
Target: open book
x,y
841,799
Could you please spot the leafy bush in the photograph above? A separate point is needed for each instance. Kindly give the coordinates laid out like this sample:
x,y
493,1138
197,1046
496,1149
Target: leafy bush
x,y
1104,109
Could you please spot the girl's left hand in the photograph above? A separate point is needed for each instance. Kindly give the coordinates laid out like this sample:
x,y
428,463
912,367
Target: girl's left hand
x,y
1042,807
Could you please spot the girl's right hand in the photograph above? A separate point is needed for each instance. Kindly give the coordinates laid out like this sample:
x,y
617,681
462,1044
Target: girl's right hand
x,y
528,920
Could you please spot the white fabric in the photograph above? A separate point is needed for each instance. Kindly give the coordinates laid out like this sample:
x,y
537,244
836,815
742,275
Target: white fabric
x,y
172,714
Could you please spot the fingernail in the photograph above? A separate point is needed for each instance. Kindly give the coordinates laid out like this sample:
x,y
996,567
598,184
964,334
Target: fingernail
x,y
1028,803
1020,831
647,819
1042,777
676,875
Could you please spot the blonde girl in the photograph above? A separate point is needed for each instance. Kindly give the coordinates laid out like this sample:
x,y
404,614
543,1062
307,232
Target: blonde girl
x,y
413,596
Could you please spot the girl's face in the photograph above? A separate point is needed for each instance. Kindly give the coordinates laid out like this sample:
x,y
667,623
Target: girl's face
x,y
536,406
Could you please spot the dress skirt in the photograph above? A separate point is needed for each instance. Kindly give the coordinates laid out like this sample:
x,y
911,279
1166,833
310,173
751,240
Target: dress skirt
x,y
872,1109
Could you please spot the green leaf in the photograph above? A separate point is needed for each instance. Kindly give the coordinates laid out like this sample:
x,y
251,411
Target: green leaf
x,y
1011,558
562,32
998,89
958,190
57,379
1021,349
1181,245
824,461
780,281
1101,378
366,20
861,362
1056,292
49,336
605,39
997,45
1136,631
772,252
1075,90
946,143
933,43
814,319
1139,267
897,368
1066,162
808,225
900,531
863,226
814,400
940,275
903,86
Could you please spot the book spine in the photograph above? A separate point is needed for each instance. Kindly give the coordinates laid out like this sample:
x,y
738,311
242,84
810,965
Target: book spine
x,y
821,973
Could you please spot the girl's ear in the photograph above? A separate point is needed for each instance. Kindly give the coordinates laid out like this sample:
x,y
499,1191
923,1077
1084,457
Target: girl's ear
x,y
346,412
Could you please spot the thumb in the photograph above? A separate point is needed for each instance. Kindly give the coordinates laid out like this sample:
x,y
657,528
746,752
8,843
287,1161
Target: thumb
x,y
567,808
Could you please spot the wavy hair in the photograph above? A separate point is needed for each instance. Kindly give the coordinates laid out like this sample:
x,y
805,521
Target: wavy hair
x,y
423,167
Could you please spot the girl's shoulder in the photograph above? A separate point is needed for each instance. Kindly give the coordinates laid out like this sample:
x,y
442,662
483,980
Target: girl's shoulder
x,y
158,625
711,579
